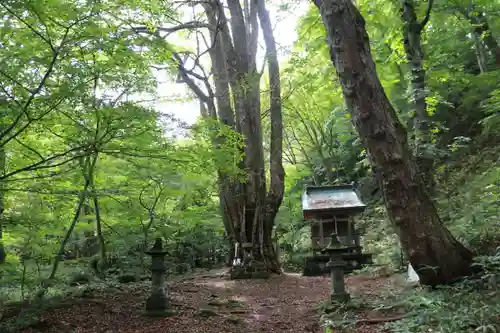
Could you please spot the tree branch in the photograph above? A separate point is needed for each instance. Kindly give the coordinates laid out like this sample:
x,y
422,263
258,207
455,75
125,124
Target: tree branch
x,y
35,31
427,15
43,163
41,84
207,98
184,26
33,150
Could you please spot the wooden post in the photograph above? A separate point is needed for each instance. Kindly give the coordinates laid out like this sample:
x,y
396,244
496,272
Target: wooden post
x,y
322,237
349,231
313,248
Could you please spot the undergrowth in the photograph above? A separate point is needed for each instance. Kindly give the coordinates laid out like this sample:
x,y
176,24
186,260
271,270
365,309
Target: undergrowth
x,y
472,305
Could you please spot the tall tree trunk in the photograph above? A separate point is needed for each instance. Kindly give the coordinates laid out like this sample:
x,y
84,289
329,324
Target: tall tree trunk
x,y
412,41
482,59
3,253
58,257
435,254
225,69
223,59
246,90
97,208
482,29
277,172
248,210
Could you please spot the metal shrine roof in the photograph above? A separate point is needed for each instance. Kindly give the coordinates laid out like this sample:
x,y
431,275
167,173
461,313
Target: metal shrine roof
x,y
331,198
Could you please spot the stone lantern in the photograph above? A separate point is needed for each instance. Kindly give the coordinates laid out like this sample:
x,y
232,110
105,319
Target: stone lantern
x,y
335,251
157,303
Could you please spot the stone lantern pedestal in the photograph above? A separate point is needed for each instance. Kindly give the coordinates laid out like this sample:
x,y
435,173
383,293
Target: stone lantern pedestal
x,y
335,251
157,303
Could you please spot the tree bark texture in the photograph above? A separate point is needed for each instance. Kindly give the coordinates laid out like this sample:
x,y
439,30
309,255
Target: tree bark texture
x,y
248,208
412,41
434,253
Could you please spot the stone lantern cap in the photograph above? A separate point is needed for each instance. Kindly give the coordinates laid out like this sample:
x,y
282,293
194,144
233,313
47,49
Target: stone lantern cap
x,y
157,249
335,246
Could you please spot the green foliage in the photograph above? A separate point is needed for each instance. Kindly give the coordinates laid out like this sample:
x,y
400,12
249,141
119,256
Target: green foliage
x,y
70,74
491,107
462,104
469,306
223,145
318,132
470,206
379,237
290,225
463,111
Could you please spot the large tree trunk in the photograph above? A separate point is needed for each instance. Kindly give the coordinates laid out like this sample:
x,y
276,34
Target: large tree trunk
x,y
246,91
412,41
248,210
435,254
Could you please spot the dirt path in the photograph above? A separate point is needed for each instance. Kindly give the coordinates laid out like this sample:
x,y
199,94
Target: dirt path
x,y
207,304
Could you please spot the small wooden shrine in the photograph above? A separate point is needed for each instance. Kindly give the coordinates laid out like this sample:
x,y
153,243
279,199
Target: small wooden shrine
x,y
331,209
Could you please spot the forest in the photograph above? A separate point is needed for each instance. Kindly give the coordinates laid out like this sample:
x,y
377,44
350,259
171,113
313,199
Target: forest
x,y
400,98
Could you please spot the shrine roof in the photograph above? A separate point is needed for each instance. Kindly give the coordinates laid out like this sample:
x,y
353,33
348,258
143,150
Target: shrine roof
x,y
331,198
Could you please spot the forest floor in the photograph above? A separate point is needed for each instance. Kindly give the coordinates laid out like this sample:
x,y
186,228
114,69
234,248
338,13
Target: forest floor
x,y
210,303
